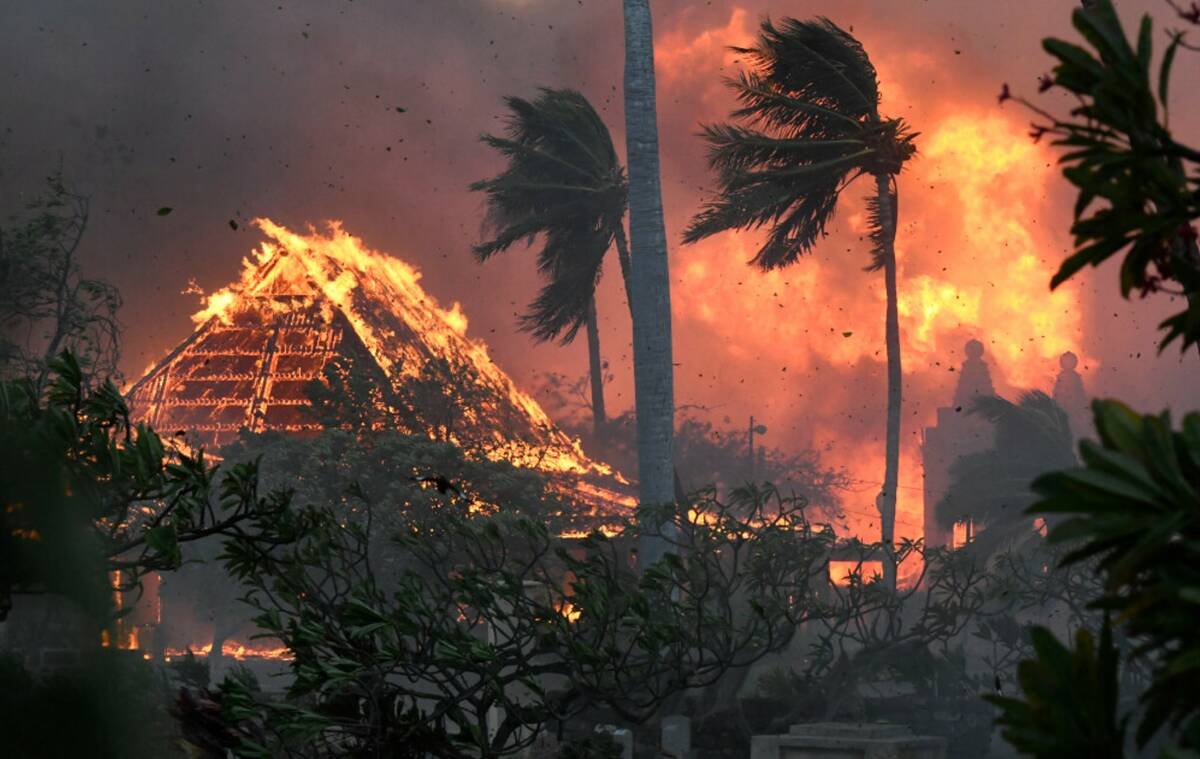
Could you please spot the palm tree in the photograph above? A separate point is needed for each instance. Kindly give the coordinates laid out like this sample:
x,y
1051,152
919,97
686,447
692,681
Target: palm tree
x,y
990,490
653,371
563,182
810,108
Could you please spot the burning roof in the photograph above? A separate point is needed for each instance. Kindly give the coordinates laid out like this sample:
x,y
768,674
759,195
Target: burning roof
x,y
308,302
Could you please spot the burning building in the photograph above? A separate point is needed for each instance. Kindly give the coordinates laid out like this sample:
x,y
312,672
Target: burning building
x,y
310,308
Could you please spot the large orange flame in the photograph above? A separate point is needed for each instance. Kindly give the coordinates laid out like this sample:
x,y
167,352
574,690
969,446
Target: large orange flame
x,y
231,649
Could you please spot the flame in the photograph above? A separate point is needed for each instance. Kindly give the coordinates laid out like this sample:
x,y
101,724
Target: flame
x,y
995,177
125,639
231,649
569,612
841,571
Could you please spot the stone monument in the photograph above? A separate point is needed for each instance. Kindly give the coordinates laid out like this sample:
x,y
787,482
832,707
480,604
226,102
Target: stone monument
x,y
1070,394
677,737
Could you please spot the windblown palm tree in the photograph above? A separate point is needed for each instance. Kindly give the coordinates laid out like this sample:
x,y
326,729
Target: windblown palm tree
x,y
990,490
565,184
653,371
811,126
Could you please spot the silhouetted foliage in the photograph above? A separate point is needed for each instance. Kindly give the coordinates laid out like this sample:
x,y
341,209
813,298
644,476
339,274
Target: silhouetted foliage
x,y
564,183
1070,703
46,306
1134,505
991,489
1133,508
705,454
111,705
87,493
493,613
1139,190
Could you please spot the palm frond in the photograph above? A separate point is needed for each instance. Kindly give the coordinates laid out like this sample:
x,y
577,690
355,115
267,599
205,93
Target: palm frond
x,y
787,112
563,182
571,263
810,103
734,148
817,62
1035,417
797,219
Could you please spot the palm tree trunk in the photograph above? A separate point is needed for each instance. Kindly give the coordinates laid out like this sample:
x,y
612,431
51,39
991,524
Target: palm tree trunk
x,y
596,369
623,259
653,372
888,207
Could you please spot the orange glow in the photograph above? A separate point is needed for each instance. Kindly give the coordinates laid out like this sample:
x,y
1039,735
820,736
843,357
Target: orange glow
x,y
127,640
841,572
961,534
805,344
607,530
995,177
569,612
233,650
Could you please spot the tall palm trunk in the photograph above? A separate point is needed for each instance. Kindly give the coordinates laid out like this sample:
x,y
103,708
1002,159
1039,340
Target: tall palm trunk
x,y
653,373
596,369
888,202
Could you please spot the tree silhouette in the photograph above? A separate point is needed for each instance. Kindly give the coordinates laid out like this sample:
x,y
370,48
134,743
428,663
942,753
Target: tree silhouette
x,y
811,109
565,184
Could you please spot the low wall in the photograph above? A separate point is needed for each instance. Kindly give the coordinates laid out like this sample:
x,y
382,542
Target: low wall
x,y
844,740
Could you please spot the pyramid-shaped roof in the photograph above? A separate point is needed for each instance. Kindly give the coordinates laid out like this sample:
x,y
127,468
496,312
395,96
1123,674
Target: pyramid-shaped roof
x,y
306,300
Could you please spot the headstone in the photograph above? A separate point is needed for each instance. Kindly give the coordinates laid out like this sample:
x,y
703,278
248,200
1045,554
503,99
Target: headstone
x,y
545,746
622,736
677,737
624,739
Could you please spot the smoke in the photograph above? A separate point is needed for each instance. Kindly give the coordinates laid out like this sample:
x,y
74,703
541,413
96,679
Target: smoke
x,y
369,112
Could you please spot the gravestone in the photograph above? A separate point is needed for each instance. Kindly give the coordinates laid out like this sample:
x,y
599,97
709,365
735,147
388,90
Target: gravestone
x,y
677,737
545,746
624,739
